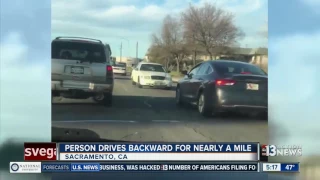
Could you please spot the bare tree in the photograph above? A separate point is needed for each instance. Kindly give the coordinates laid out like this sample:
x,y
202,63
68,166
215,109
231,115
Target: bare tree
x,y
171,40
210,26
193,47
156,53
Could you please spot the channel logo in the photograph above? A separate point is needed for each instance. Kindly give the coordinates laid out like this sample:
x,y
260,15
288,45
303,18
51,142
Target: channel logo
x,y
25,167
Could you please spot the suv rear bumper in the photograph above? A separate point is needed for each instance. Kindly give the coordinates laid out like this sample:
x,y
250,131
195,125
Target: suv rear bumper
x,y
78,85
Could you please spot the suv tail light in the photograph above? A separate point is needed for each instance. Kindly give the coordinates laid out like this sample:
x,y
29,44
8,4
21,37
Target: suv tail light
x,y
109,71
224,82
109,68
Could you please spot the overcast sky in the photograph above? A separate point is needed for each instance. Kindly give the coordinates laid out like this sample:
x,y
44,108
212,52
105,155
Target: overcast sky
x,y
129,21
25,70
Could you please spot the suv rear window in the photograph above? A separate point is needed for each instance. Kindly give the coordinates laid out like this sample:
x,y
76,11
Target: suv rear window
x,y
78,51
238,68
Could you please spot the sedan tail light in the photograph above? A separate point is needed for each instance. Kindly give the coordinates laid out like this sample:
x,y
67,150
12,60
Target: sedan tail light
x,y
225,82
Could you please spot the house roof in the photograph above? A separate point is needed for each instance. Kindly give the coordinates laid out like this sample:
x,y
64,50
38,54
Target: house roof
x,y
250,51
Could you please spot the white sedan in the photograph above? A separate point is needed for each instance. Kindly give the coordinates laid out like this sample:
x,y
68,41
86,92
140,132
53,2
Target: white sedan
x,y
120,68
152,75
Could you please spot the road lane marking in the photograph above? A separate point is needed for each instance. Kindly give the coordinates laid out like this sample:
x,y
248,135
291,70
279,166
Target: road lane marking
x,y
114,121
124,88
165,121
94,121
129,135
174,121
146,103
160,120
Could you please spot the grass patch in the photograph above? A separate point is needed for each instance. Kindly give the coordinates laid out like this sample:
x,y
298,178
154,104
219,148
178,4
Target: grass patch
x,y
176,74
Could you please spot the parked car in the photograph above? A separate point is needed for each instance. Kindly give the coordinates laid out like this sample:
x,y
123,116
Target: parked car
x,y
152,75
222,85
120,68
81,68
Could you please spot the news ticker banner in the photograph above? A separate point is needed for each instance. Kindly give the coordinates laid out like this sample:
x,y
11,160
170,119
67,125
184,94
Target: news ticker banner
x,y
65,167
69,167
142,151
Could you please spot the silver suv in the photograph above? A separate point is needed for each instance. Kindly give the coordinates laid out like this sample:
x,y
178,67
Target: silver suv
x,y
81,68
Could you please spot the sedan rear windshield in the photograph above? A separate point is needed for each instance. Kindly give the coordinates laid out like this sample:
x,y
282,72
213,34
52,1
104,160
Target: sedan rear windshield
x,y
238,68
151,67
78,51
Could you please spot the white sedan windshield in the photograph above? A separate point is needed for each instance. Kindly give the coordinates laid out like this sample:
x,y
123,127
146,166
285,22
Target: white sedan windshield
x,y
151,67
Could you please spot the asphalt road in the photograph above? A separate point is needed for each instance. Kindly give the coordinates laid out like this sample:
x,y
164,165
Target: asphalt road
x,y
152,115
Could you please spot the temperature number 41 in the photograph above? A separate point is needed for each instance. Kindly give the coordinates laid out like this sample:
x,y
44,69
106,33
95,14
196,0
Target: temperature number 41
x,y
289,167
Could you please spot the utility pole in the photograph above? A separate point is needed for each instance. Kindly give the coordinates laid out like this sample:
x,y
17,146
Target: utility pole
x,y
137,49
121,52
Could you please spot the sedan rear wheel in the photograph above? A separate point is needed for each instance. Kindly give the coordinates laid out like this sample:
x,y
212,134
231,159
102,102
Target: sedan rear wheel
x,y
204,107
201,103
178,96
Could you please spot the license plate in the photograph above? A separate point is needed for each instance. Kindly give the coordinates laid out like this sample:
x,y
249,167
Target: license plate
x,y
157,83
77,70
251,86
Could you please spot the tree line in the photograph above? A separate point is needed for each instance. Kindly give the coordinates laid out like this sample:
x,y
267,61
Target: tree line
x,y
207,29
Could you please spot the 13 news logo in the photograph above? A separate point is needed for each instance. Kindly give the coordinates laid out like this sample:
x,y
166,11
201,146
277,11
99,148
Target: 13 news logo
x,y
285,150
40,151
25,167
268,150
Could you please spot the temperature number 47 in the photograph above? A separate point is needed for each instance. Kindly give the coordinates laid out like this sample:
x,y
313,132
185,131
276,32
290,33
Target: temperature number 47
x,y
289,167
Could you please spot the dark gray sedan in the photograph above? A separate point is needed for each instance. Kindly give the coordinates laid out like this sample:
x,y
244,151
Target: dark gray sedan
x,y
222,85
